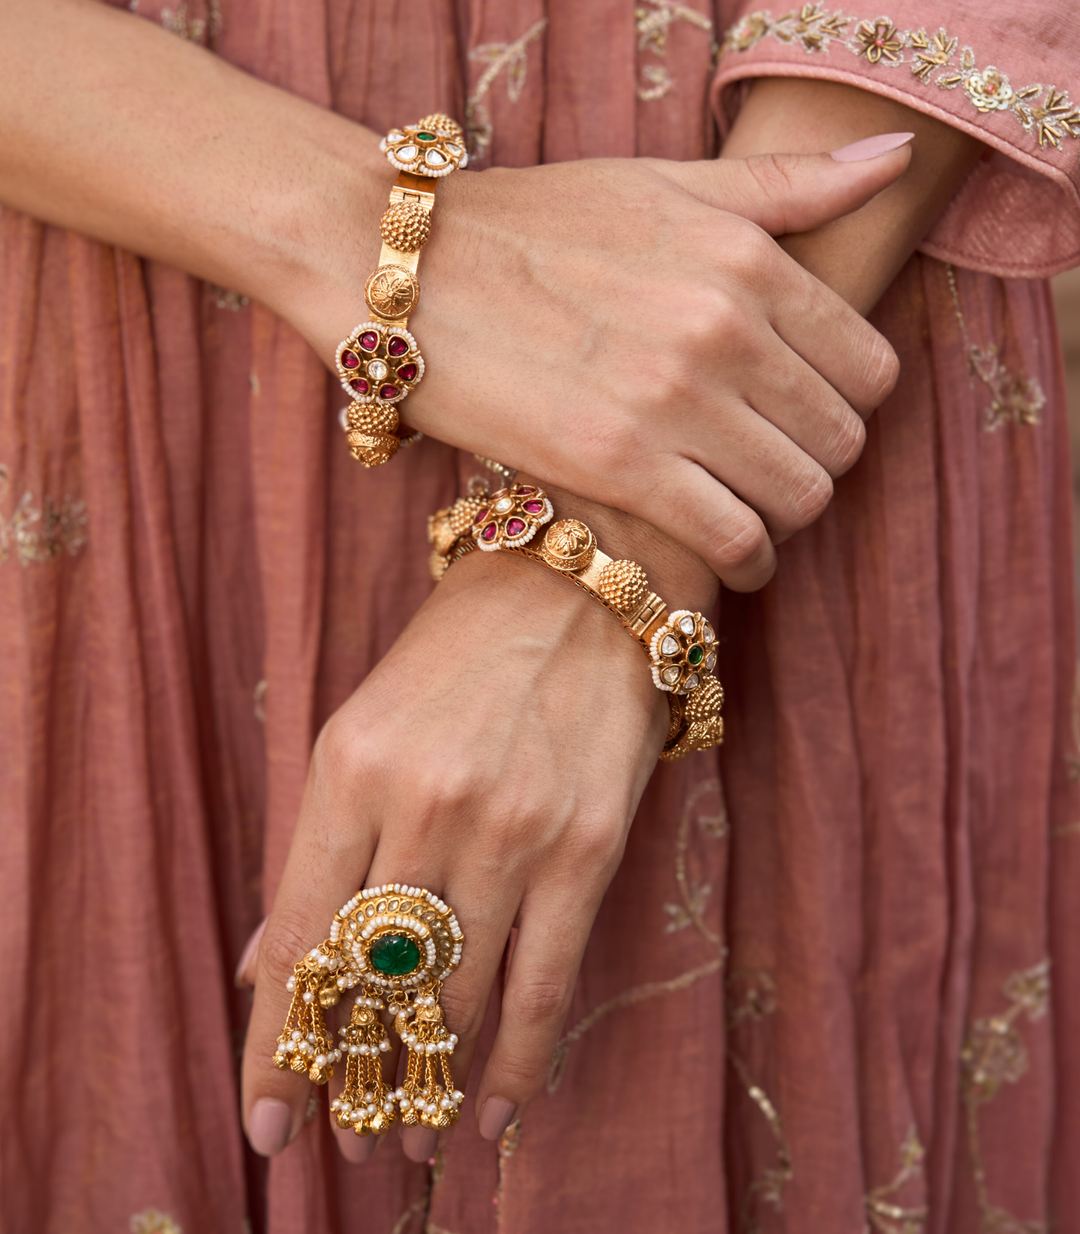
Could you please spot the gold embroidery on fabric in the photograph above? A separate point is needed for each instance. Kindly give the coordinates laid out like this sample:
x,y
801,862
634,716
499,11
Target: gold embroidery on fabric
x,y
750,997
39,535
150,1221
652,26
1043,112
993,1054
712,826
508,1144
418,1208
202,30
513,57
884,1213
1014,400
226,299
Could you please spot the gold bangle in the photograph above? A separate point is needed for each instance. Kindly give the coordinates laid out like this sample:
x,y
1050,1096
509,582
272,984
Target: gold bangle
x,y
379,363
681,645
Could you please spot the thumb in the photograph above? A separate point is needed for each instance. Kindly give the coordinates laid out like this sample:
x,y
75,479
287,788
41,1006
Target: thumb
x,y
785,193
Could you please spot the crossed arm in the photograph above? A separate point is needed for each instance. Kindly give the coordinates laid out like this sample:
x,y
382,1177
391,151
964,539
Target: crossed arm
x,y
280,199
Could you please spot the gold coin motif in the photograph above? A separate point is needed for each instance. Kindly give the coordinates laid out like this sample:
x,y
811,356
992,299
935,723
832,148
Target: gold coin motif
x,y
568,545
392,291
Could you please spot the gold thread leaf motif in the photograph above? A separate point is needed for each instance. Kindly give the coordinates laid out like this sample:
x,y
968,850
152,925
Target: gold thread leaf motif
x,y
1045,112
652,22
511,58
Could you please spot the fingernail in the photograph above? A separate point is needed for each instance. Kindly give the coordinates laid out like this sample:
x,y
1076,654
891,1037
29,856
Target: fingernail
x,y
269,1126
871,147
496,1115
354,1148
250,948
419,1143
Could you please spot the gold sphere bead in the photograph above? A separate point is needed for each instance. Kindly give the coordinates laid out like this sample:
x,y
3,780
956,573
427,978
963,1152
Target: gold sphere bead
x,y
372,417
441,123
705,702
405,226
372,449
624,584
461,514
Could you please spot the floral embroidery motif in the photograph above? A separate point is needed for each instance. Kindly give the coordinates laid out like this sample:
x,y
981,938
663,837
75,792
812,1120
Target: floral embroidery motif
x,y
1014,400
150,1221
1044,112
513,57
652,25
881,1208
993,1054
37,535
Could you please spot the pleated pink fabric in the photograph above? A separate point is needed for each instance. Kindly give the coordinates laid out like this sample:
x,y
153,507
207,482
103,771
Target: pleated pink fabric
x,y
839,993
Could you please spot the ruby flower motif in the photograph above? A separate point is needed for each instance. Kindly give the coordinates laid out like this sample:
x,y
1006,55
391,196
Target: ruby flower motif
x,y
511,517
379,363
682,651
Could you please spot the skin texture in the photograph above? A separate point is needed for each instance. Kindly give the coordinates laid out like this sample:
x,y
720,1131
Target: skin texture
x,y
281,200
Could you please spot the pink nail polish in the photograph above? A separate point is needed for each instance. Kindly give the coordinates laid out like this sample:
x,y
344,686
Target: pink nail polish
x,y
871,147
419,1143
269,1126
355,1149
250,947
496,1115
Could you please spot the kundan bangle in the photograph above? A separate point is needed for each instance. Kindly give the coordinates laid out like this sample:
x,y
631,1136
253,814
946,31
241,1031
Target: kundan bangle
x,y
681,645
380,362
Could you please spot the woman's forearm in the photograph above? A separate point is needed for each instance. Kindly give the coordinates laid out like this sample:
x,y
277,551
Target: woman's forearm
x,y
860,254
131,135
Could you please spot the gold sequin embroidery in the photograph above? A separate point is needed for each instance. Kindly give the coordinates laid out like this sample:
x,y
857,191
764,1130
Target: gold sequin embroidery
x,y
1043,112
37,535
994,1054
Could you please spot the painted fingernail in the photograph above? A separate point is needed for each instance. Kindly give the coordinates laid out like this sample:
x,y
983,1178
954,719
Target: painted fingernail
x,y
419,1143
871,147
248,956
269,1126
354,1148
495,1116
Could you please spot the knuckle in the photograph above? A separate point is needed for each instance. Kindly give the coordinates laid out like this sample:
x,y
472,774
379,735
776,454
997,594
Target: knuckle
x,y
462,1013
285,942
750,252
543,1001
811,496
741,542
882,370
846,443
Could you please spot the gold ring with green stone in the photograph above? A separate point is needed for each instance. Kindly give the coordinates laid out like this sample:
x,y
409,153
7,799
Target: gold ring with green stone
x,y
397,944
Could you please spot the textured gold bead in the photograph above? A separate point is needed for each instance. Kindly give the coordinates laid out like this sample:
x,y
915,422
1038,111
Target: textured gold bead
x,y
705,702
372,449
461,514
568,545
372,417
441,124
405,226
624,584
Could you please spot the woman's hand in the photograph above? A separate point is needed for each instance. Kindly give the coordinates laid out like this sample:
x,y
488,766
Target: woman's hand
x,y
627,330
495,756
624,328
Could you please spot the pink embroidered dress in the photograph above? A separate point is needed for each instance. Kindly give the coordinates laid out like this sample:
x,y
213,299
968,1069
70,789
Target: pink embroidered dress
x,y
848,998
